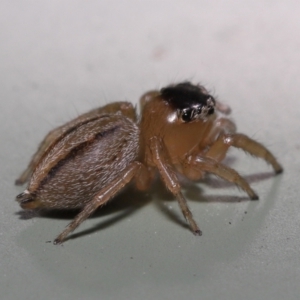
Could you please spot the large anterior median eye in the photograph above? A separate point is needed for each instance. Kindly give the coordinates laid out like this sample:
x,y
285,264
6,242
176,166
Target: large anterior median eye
x,y
187,114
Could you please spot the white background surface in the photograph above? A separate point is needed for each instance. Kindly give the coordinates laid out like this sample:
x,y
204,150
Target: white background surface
x,y
61,58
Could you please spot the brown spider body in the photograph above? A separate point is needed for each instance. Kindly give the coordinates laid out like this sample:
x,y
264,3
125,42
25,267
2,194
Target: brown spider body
x,y
85,162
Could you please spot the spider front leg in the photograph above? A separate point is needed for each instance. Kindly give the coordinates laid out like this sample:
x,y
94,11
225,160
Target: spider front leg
x,y
132,171
220,147
171,181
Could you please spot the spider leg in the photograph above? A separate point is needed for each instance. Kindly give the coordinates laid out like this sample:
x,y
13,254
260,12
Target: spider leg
x,y
44,145
206,164
171,181
219,148
101,198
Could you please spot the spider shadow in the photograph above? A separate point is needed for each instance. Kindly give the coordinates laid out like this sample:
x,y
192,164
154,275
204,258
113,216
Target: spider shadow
x,y
126,203
130,201
194,192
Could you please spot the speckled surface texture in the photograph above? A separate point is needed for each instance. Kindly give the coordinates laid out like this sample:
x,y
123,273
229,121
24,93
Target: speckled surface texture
x,y
61,58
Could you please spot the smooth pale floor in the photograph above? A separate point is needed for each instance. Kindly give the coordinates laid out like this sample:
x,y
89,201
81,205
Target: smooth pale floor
x,y
61,58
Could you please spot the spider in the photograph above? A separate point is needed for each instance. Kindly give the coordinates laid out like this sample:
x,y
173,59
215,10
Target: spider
x,y
86,162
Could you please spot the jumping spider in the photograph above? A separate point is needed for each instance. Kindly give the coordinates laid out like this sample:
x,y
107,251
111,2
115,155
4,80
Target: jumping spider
x,y
87,161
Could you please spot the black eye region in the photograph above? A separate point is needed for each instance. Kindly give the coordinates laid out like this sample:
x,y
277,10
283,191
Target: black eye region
x,y
190,114
191,101
185,95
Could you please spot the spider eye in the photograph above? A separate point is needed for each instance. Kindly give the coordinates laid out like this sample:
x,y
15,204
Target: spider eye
x,y
198,110
187,114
